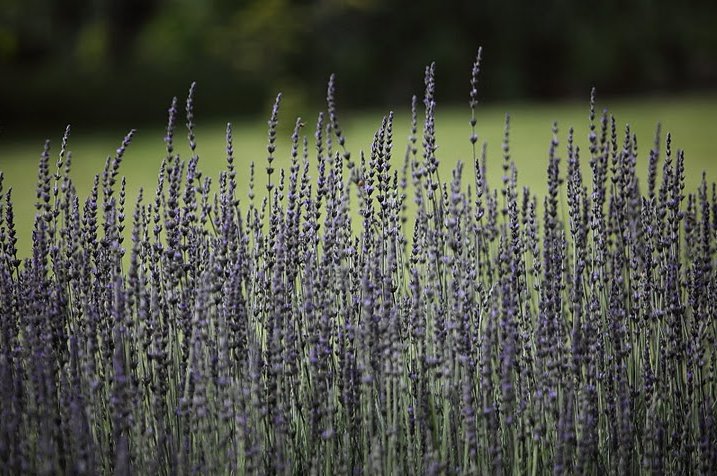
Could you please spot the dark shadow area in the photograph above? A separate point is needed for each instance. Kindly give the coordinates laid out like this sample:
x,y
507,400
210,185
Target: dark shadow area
x,y
109,61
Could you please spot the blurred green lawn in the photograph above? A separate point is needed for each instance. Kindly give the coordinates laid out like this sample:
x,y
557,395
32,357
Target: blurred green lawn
x,y
692,120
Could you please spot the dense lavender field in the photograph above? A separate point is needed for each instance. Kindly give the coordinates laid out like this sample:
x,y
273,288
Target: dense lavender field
x,y
371,318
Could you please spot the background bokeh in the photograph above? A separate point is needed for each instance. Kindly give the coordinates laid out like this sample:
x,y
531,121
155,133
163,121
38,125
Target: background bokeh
x,y
105,66
110,60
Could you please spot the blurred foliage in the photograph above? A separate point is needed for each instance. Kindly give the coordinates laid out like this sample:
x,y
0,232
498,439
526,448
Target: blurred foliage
x,y
63,57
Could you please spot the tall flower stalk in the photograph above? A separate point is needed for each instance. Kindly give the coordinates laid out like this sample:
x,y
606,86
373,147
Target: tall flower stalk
x,y
322,328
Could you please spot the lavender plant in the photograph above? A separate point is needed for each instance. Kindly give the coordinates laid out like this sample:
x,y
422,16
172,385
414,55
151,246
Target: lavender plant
x,y
325,330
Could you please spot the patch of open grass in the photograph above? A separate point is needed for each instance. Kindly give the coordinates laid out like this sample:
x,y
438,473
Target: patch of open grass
x,y
692,121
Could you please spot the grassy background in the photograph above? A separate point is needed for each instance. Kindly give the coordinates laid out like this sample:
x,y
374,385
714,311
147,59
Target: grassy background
x,y
692,120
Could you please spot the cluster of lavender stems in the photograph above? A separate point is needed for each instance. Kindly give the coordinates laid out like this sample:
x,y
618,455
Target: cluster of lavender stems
x,y
331,326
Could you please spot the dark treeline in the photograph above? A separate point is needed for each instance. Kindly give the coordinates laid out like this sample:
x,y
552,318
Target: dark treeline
x,y
63,58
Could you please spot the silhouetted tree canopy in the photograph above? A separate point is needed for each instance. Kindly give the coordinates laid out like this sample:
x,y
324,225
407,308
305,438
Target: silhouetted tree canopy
x,y
141,52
